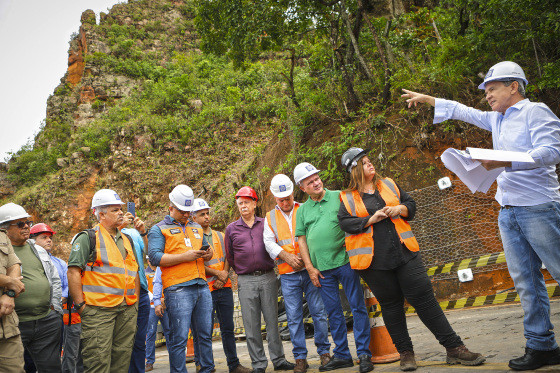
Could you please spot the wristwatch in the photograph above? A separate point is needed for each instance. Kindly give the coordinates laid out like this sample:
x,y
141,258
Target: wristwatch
x,y
10,293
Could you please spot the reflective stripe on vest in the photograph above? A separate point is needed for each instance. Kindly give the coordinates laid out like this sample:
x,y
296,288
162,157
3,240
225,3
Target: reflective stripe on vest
x,y
176,239
110,279
218,261
284,237
360,247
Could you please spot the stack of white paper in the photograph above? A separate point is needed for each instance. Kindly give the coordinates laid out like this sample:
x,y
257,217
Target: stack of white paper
x,y
472,173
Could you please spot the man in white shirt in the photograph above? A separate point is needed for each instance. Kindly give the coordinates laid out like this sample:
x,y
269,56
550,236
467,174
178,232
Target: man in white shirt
x,y
281,245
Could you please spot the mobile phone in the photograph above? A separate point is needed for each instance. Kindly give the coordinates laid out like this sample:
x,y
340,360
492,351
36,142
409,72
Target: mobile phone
x,y
205,247
131,207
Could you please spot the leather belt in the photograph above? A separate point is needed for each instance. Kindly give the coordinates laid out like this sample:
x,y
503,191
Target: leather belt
x,y
258,273
507,207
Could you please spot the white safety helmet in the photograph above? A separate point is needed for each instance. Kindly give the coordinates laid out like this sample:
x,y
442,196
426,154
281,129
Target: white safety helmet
x,y
105,197
11,211
303,171
504,71
281,186
182,197
200,204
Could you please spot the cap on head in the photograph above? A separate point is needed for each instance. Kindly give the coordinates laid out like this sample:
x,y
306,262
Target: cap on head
x,y
105,197
11,211
504,71
303,171
351,157
281,186
182,197
40,228
200,204
248,192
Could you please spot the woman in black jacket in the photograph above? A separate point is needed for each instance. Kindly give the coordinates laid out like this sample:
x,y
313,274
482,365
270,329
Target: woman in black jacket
x,y
375,212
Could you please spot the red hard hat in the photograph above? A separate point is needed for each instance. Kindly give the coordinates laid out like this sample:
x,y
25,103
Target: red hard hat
x,y
247,192
41,228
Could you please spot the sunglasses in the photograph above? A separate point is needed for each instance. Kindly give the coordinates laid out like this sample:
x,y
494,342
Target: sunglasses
x,y
22,224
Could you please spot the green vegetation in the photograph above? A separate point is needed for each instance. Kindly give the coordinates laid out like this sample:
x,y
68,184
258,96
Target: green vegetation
x,y
294,68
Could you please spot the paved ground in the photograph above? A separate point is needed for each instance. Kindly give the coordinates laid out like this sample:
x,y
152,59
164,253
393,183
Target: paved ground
x,y
496,332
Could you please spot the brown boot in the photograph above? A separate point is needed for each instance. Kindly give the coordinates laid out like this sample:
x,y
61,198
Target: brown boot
x,y
461,355
325,358
301,366
408,362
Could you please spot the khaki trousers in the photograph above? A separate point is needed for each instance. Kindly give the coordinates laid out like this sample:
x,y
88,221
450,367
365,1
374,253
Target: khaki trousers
x,y
11,355
107,337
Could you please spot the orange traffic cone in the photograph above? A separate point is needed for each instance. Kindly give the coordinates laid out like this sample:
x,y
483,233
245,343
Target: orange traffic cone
x,y
190,349
381,345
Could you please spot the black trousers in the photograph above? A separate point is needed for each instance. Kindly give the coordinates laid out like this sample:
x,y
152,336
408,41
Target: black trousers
x,y
409,281
41,338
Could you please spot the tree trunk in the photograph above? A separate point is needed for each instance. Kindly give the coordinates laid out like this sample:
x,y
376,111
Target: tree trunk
x,y
387,86
290,78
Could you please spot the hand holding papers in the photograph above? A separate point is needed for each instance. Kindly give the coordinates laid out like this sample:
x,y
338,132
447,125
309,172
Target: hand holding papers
x,y
471,172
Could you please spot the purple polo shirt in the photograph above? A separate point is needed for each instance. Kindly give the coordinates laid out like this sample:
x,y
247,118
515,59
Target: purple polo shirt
x,y
245,249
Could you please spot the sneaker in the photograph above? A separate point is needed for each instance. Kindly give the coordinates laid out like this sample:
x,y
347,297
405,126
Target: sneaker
x,y
301,366
149,367
461,355
534,359
241,369
408,362
325,358
365,364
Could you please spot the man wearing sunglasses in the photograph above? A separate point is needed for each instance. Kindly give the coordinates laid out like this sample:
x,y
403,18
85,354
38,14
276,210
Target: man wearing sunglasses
x,y
39,308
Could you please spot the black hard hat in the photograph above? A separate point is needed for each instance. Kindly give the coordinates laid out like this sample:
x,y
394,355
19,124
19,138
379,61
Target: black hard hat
x,y
351,157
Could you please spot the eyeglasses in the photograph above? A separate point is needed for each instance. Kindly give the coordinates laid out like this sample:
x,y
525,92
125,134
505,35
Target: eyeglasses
x,y
22,224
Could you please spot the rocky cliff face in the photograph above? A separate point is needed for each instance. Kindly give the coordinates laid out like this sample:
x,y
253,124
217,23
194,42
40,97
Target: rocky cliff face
x,y
215,162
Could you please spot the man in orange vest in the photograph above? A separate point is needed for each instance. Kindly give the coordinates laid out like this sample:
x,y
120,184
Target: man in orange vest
x,y
104,285
281,245
180,250
217,275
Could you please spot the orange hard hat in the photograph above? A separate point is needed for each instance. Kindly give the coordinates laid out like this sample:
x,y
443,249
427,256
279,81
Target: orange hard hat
x,y
248,192
41,228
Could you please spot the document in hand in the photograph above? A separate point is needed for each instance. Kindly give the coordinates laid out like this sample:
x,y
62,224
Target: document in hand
x,y
471,172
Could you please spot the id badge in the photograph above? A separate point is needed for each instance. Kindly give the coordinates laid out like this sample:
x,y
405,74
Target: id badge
x,y
188,242
196,235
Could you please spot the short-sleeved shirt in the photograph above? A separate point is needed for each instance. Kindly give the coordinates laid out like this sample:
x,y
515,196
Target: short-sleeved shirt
x,y
8,323
81,253
317,221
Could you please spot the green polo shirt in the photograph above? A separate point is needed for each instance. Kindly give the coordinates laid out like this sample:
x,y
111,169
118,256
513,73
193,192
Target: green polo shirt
x,y
317,221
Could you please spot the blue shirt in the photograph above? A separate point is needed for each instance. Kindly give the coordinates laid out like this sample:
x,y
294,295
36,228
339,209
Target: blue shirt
x,y
139,248
156,247
529,127
61,268
157,287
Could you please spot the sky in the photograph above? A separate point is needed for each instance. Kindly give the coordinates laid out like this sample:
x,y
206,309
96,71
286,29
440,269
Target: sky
x,y
34,36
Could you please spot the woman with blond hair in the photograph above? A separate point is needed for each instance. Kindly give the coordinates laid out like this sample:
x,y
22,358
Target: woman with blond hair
x,y
374,213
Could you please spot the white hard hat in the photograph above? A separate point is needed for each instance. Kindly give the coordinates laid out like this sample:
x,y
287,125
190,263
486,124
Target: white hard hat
x,y
105,197
502,71
11,211
182,197
281,186
303,171
200,204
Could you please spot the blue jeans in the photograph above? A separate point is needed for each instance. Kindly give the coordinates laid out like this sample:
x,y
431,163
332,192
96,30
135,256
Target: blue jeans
x,y
152,333
138,357
188,305
294,285
222,300
530,235
353,289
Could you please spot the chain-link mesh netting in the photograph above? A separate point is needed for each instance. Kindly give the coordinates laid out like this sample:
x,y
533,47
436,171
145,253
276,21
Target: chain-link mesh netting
x,y
454,224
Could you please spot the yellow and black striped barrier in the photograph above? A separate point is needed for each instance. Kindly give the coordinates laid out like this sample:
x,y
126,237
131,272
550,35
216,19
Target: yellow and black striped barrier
x,y
483,300
485,260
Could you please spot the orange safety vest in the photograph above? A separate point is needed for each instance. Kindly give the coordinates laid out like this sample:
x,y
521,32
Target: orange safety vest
x,y
110,279
277,222
178,241
360,246
218,261
74,317
150,279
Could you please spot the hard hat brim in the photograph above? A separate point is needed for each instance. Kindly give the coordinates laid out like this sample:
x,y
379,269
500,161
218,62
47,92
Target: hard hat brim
x,y
311,173
501,79
182,208
26,215
282,194
109,204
